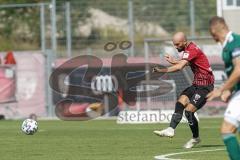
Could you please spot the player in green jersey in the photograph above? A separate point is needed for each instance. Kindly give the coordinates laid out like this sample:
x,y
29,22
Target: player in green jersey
x,y
230,90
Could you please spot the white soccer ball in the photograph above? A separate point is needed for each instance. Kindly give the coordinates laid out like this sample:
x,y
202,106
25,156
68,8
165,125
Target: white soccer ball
x,y
29,126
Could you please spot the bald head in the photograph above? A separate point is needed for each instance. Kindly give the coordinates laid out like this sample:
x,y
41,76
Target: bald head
x,y
179,41
179,37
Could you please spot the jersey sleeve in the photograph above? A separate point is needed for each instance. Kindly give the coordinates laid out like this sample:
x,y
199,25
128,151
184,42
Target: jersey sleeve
x,y
236,52
189,55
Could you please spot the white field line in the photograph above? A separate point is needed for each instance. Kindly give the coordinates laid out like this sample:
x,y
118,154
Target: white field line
x,y
165,156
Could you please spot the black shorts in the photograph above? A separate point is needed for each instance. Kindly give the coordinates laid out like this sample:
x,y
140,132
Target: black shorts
x,y
197,94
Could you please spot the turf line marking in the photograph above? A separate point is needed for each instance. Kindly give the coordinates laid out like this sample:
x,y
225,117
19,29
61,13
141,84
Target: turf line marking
x,y
165,156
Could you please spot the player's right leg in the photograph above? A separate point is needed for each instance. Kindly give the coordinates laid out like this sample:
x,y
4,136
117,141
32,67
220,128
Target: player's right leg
x,y
230,125
176,118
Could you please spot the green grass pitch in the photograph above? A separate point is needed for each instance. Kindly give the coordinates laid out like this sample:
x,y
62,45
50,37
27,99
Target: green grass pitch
x,y
105,140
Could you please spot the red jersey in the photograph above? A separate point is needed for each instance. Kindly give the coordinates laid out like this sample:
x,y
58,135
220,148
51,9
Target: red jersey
x,y
199,64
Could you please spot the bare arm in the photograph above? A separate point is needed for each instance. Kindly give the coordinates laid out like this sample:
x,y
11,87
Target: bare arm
x,y
234,77
175,67
229,84
170,59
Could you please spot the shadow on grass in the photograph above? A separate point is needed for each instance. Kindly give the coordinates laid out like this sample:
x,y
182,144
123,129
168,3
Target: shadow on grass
x,y
210,145
205,146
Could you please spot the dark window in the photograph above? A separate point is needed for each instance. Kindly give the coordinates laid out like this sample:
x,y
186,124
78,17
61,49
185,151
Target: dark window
x,y
229,2
238,3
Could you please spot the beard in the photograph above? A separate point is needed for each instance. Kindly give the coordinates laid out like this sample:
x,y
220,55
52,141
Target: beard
x,y
180,49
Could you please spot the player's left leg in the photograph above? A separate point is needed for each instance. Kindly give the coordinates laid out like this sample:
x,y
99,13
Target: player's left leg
x,y
197,101
229,127
192,120
228,131
193,124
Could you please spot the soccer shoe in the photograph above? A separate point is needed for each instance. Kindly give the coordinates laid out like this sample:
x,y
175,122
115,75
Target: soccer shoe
x,y
192,142
169,132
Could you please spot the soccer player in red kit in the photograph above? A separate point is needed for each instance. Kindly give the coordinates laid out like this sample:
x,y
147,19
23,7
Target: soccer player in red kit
x,y
194,97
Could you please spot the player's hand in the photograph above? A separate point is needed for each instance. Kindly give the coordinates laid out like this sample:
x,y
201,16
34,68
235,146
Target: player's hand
x,y
226,95
214,94
155,69
169,58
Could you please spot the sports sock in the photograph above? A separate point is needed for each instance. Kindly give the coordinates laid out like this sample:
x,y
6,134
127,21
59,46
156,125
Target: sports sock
x,y
232,146
177,115
193,123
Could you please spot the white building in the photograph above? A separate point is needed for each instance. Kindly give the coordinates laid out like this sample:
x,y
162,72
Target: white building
x,y
230,11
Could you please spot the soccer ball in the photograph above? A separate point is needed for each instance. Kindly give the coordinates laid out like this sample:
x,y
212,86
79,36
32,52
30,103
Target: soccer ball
x,y
29,126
